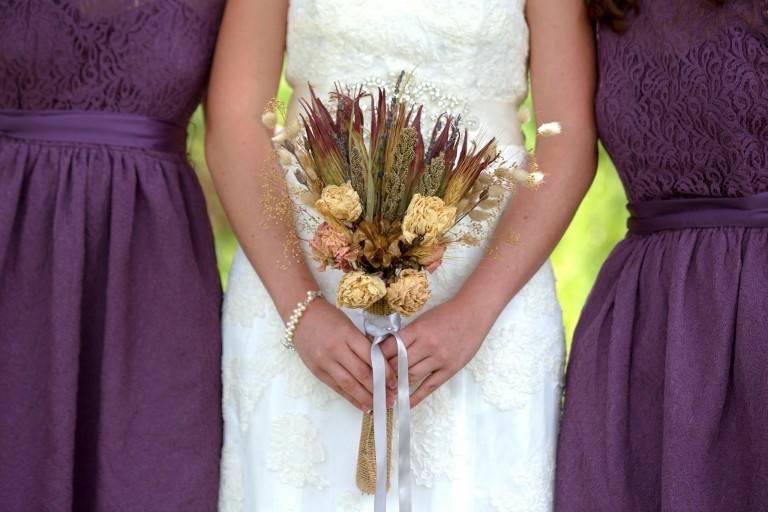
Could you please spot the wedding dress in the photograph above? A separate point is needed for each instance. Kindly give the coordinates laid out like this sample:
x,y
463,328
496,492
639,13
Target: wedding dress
x,y
484,441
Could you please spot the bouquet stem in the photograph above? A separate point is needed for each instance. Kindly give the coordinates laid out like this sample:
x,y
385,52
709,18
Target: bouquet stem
x,y
366,455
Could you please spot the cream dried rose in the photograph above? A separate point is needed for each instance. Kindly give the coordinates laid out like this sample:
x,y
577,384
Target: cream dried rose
x,y
429,217
340,202
409,293
359,290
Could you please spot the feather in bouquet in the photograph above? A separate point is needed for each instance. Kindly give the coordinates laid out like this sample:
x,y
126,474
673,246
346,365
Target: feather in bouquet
x,y
389,200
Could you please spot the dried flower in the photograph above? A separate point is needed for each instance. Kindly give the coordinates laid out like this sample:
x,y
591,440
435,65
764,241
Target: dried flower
x,y
429,183
359,290
340,202
288,133
469,168
269,119
396,174
519,175
332,248
428,256
284,156
409,292
427,217
550,129
292,130
379,242
535,179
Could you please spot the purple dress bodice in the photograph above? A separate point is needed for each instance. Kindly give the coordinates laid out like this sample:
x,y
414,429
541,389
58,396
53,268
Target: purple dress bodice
x,y
145,57
682,105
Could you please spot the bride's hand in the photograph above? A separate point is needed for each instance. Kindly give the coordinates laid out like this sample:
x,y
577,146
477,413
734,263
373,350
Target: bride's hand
x,y
338,354
440,343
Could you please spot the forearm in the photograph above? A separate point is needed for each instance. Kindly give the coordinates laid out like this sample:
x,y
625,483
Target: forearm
x,y
244,80
563,87
240,173
532,225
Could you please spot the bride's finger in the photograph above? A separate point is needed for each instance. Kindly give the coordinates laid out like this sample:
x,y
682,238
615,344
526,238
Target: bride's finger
x,y
429,385
351,385
418,372
357,367
389,346
362,347
418,352
328,381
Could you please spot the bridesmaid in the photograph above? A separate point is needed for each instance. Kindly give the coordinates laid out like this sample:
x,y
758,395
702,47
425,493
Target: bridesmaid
x,y
109,294
667,390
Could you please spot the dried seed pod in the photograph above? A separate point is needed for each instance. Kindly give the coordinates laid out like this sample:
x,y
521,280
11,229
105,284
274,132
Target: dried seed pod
x,y
489,204
520,175
463,204
269,119
300,177
550,129
479,215
496,191
284,156
309,198
535,179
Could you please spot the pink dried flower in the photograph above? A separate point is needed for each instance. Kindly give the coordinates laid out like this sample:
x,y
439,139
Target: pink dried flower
x,y
435,259
330,247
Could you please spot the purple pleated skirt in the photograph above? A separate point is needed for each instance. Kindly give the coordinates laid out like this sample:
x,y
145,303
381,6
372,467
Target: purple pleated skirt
x,y
109,318
666,406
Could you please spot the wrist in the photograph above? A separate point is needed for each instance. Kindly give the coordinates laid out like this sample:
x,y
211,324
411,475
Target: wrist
x,y
484,307
286,301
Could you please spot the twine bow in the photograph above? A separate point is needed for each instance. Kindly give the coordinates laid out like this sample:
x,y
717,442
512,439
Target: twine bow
x,y
380,333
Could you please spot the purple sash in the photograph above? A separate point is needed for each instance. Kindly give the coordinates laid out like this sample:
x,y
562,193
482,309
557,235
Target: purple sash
x,y
665,214
102,128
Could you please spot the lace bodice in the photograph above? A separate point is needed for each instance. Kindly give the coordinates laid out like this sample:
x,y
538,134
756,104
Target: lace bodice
x,y
476,48
682,104
148,57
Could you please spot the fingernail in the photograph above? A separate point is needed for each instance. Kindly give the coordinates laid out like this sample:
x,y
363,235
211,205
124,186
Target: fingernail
x,y
392,385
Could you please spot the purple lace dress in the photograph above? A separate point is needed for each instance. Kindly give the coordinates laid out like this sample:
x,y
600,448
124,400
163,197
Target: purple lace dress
x,y
666,404
109,294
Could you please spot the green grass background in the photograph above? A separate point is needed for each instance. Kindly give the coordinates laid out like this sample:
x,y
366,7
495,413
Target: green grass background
x,y
599,223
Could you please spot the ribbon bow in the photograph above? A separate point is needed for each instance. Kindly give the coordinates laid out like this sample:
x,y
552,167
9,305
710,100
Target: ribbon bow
x,y
380,333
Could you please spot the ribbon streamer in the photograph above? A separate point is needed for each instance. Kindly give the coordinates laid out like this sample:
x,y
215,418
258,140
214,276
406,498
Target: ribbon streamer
x,y
380,333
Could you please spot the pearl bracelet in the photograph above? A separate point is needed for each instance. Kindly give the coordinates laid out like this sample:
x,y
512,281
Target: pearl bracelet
x,y
293,321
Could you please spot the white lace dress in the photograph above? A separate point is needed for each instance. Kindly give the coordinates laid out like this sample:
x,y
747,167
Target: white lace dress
x,y
483,442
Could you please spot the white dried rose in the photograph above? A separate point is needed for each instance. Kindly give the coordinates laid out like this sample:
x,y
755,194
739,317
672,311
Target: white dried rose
x,y
428,217
359,290
340,202
409,293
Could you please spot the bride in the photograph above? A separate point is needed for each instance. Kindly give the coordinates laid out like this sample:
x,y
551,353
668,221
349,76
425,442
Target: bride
x,y
489,348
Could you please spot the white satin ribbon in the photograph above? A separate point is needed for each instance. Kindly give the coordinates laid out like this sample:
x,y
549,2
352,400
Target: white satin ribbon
x,y
380,333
